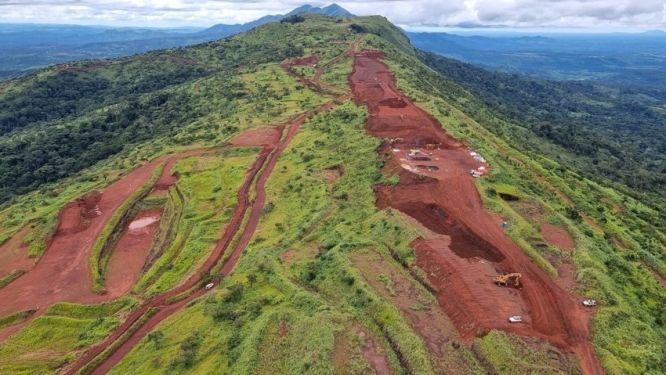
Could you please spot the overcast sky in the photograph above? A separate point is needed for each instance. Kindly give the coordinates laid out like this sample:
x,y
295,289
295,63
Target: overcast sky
x,y
559,14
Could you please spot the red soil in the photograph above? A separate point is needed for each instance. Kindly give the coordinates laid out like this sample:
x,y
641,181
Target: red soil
x,y
265,136
14,254
63,272
258,173
168,178
129,254
557,236
257,176
375,358
469,246
308,60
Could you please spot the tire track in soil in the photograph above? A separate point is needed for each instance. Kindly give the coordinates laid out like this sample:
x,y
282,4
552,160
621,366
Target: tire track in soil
x,y
259,173
468,246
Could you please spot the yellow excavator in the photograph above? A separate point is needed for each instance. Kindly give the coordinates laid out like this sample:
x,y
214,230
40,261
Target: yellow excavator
x,y
508,279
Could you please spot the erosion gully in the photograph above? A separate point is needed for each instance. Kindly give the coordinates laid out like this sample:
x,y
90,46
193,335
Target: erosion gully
x,y
123,339
467,246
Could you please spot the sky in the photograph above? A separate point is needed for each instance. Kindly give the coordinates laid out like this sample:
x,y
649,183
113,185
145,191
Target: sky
x,y
607,15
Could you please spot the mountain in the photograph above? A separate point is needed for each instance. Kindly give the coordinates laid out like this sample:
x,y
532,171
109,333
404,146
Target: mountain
x,y
222,30
317,196
624,59
24,48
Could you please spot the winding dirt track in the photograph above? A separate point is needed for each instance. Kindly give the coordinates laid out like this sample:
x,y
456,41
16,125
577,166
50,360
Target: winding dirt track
x,y
467,247
274,141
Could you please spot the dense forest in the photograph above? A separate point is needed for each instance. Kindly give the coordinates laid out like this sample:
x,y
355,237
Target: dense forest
x,y
66,118
611,133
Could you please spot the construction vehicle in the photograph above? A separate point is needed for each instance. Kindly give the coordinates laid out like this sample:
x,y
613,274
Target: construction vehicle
x,y
504,280
589,303
515,319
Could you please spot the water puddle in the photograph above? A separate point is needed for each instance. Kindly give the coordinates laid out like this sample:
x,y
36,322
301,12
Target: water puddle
x,y
143,222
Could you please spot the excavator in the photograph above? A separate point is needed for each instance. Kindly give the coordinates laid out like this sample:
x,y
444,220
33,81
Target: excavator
x,y
508,279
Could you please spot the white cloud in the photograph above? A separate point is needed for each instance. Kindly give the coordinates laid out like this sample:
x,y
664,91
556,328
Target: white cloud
x,y
614,14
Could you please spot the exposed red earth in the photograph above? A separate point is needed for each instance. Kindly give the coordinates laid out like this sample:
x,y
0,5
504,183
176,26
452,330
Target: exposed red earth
x,y
129,254
63,272
257,177
14,255
274,141
468,247
313,61
265,136
557,236
371,353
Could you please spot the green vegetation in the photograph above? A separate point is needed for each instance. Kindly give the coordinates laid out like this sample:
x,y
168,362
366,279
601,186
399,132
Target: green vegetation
x,y
104,243
508,354
15,318
136,100
4,281
337,74
296,301
77,311
51,340
614,135
90,366
209,185
614,253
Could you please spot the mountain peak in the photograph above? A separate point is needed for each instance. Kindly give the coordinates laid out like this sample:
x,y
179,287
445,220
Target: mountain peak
x,y
332,10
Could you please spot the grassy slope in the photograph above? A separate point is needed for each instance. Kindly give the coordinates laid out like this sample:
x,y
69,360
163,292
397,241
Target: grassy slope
x,y
52,339
295,292
209,185
611,255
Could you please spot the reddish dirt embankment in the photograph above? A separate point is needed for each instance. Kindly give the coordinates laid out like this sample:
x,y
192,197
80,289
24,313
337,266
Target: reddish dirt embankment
x,y
273,145
63,272
557,236
129,254
14,254
257,177
468,247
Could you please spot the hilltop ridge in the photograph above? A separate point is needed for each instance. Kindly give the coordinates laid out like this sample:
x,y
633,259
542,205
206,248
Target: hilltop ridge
x,y
306,197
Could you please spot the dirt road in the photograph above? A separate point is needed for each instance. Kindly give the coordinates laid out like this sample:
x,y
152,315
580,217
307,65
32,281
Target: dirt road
x,y
468,246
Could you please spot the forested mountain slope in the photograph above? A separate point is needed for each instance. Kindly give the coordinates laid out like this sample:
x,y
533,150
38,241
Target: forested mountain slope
x,y
298,199
614,134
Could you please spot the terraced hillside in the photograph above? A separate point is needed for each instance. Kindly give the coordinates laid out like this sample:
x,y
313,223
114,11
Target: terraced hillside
x,y
271,207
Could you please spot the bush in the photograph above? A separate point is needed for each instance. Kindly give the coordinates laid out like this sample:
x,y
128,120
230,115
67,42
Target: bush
x,y
296,18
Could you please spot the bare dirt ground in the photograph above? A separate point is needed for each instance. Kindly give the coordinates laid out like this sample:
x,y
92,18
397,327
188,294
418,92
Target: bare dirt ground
x,y
14,254
255,179
129,254
557,236
265,136
469,244
63,272
375,357
163,305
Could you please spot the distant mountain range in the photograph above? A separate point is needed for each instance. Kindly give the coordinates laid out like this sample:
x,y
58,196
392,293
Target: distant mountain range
x,y
26,47
619,58
222,30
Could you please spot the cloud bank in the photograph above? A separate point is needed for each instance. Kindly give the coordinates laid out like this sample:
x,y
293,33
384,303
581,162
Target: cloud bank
x,y
592,14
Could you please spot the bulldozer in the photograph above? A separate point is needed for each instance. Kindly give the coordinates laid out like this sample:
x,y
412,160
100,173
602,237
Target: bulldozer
x,y
508,279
